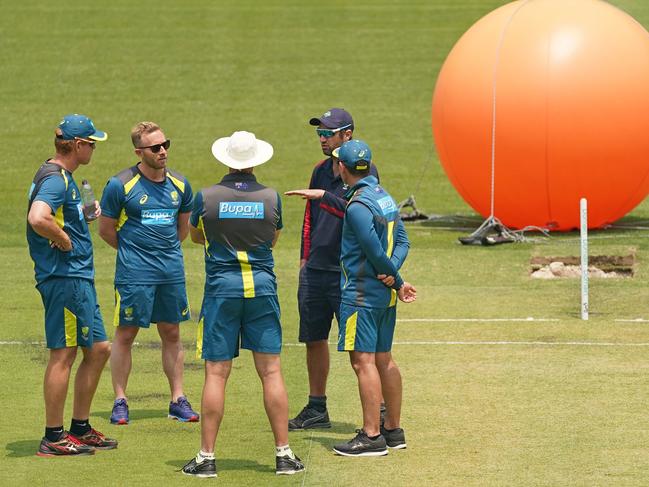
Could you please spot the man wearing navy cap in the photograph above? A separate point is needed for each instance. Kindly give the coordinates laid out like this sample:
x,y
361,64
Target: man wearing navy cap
x,y
319,286
61,248
374,246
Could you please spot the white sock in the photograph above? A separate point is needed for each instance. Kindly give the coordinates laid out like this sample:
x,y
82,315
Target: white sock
x,y
283,451
204,456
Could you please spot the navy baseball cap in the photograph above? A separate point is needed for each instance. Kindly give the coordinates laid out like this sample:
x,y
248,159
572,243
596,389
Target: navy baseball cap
x,y
335,118
355,154
79,126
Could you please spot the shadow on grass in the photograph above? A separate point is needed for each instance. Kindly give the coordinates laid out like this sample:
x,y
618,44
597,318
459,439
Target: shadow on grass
x,y
337,428
223,464
22,448
136,414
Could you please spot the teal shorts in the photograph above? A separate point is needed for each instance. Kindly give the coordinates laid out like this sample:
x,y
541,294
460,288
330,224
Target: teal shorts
x,y
366,329
143,304
226,324
72,316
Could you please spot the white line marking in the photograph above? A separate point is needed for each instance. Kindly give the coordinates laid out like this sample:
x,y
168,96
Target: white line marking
x,y
514,343
470,320
636,320
451,343
308,456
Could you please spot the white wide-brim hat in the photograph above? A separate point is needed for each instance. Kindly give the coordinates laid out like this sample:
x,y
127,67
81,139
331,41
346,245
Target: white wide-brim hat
x,y
242,150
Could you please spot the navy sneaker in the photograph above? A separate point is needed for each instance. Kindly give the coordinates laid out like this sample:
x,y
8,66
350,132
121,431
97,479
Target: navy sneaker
x,y
309,418
205,469
120,412
182,411
66,446
363,446
288,466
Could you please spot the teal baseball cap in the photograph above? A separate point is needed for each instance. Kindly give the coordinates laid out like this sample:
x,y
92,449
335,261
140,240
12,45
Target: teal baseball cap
x,y
77,126
355,154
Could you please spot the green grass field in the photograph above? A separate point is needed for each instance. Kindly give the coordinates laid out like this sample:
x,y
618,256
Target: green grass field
x,y
486,403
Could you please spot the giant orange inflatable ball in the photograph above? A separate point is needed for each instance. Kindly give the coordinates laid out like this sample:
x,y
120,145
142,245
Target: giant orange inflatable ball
x,y
554,93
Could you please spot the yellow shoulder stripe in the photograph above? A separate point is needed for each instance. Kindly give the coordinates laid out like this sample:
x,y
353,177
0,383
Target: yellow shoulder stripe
x,y
129,186
177,182
65,178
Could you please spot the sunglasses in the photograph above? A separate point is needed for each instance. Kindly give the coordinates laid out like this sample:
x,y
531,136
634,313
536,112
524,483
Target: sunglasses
x,y
89,142
328,133
156,147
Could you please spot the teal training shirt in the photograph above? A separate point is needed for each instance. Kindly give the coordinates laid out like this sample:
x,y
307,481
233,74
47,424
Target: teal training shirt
x,y
55,186
238,217
148,250
374,241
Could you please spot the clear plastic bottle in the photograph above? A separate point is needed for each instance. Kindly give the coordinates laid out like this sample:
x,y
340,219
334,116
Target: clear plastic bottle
x,y
88,200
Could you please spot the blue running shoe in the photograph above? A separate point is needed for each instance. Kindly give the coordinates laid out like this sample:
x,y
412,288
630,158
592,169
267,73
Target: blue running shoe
x,y
182,411
120,412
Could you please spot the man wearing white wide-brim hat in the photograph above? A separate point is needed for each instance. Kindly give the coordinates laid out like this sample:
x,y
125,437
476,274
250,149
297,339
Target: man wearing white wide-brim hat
x,y
238,221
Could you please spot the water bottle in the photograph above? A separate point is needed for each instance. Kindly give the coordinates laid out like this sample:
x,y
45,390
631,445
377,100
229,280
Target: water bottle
x,y
88,200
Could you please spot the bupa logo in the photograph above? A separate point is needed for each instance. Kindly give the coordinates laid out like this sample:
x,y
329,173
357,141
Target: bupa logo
x,y
159,216
387,205
253,210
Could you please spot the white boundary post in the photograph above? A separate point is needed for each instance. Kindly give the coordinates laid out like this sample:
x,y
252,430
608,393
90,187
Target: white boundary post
x,y
583,210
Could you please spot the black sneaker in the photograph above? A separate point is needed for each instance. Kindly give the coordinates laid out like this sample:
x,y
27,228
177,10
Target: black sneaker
x,y
205,469
362,446
395,438
309,418
288,466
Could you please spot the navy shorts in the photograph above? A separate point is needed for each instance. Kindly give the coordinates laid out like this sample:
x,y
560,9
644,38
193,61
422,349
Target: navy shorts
x,y
226,324
143,304
366,329
72,316
318,298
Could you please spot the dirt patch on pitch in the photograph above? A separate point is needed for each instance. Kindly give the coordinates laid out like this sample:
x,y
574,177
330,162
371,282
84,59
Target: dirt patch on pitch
x,y
599,266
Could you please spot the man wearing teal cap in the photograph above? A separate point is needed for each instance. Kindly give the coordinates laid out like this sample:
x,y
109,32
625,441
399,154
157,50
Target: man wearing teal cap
x,y
61,248
374,246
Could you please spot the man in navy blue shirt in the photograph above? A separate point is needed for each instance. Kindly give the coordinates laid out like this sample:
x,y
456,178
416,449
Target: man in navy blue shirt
x,y
319,284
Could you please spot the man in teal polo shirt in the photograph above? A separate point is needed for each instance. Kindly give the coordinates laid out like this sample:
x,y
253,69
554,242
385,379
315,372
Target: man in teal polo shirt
x,y
374,246
61,248
238,221
145,217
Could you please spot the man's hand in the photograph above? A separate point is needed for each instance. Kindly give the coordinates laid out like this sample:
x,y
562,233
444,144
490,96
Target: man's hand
x,y
386,280
407,293
96,214
64,245
307,194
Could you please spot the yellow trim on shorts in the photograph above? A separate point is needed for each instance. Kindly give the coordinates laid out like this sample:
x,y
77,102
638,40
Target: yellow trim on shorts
x,y
118,299
199,339
129,185
350,331
246,275
70,320
393,298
